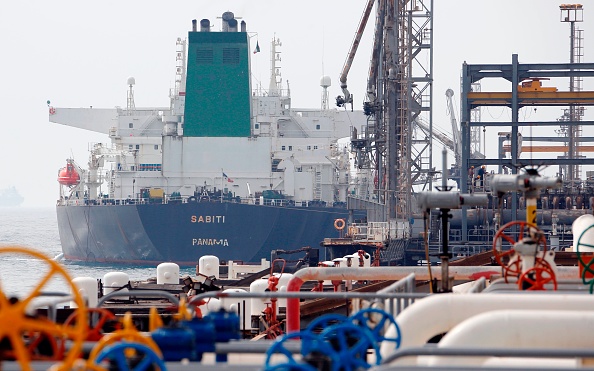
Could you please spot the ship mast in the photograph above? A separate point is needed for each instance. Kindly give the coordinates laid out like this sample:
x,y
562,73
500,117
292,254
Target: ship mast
x,y
180,66
276,81
130,105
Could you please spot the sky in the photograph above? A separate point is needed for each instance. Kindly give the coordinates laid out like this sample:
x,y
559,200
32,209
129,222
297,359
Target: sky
x,y
80,54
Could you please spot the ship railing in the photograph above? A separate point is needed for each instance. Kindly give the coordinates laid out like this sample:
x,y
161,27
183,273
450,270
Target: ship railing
x,y
370,232
177,199
140,132
275,202
266,201
237,270
461,251
259,92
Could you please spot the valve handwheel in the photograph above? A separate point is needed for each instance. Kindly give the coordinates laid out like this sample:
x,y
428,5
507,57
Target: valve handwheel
x,y
537,277
351,343
15,323
98,317
144,360
503,234
128,333
325,321
513,267
586,267
311,345
41,346
364,318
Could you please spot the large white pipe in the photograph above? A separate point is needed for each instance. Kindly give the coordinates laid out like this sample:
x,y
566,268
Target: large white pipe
x,y
438,314
518,329
586,240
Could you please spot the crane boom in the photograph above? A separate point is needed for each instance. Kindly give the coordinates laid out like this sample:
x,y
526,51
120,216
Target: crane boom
x,y
455,131
437,134
348,98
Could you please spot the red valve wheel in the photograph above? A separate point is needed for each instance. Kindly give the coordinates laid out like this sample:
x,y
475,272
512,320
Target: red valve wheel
x,y
537,277
503,234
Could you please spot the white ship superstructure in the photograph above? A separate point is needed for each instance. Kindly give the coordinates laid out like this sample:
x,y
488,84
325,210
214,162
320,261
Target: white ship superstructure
x,y
292,152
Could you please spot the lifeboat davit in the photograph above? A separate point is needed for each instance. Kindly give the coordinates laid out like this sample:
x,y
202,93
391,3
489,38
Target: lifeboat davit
x,y
68,175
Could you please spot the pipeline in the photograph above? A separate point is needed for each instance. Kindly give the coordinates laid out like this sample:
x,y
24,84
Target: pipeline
x,y
448,310
518,329
384,274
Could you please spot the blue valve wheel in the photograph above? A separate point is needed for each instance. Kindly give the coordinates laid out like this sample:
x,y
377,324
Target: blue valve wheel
x,y
326,321
310,343
351,343
117,354
363,318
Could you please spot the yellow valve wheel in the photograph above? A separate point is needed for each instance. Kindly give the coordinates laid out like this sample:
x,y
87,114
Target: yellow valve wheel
x,y
128,333
155,321
15,323
183,314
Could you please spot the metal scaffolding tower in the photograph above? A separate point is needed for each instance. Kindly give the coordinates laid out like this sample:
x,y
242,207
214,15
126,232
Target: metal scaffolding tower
x,y
409,146
397,141
520,96
572,13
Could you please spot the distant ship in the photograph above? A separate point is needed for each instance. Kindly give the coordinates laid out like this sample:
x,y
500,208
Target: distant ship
x,y
224,170
10,197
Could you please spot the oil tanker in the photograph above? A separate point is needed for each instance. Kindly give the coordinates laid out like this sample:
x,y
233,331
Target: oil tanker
x,y
225,169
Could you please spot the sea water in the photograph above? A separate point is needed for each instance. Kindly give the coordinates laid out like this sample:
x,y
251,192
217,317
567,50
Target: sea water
x,y
37,229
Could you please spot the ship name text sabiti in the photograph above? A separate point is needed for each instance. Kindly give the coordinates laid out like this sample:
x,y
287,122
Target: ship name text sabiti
x,y
207,219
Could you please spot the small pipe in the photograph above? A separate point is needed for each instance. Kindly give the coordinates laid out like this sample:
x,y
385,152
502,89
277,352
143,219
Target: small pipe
x,y
194,27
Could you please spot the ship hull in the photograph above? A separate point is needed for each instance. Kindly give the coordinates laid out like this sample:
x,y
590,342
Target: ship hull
x,y
182,233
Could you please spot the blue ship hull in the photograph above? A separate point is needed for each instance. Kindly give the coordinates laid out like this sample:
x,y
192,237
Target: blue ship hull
x,y
183,232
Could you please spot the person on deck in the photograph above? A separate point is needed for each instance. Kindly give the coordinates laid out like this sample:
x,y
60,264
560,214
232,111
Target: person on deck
x,y
480,176
471,178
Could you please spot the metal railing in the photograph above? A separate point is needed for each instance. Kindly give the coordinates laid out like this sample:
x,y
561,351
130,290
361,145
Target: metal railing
x,y
187,199
396,301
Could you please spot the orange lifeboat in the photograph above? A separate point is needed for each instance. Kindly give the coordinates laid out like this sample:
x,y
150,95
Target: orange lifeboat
x,y
68,175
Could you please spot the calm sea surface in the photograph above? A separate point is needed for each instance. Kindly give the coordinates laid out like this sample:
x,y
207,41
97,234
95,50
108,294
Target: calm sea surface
x,y
37,229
